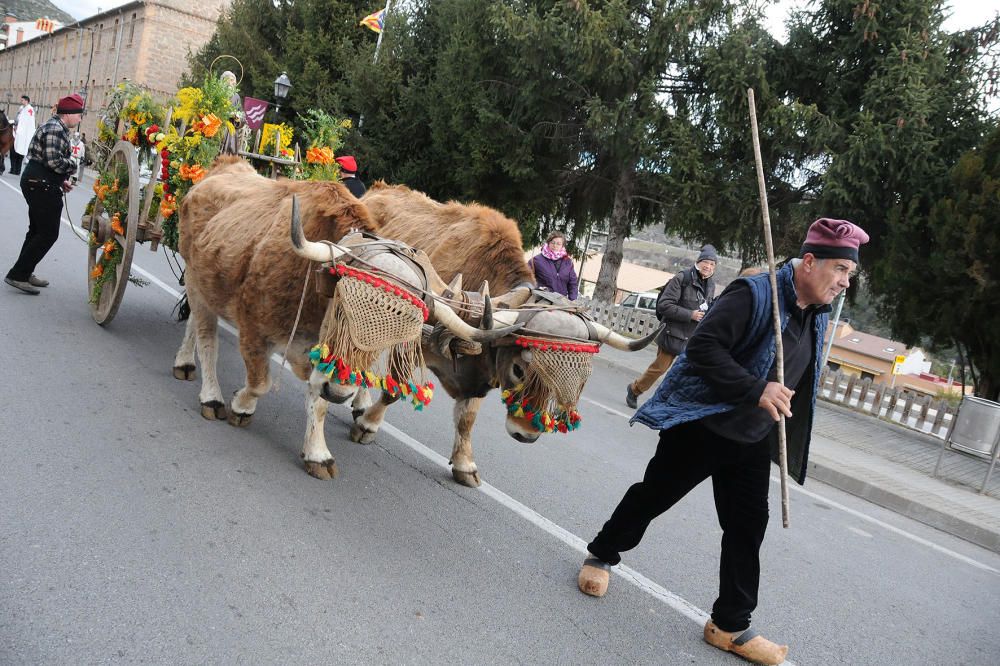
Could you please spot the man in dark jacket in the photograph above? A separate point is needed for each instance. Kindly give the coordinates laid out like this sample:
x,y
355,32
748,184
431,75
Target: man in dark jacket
x,y
43,182
683,301
716,411
349,175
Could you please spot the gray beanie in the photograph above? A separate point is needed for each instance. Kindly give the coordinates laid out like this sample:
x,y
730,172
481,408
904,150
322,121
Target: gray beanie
x,y
707,252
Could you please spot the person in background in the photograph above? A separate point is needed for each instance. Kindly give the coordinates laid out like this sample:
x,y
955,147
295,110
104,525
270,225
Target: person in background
x,y
717,412
682,303
554,268
24,130
77,151
349,175
46,177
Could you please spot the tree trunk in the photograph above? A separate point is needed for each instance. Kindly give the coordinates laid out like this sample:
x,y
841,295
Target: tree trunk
x,y
607,279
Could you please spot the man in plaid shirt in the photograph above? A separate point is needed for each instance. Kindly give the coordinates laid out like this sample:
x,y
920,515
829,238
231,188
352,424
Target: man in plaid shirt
x,y
43,182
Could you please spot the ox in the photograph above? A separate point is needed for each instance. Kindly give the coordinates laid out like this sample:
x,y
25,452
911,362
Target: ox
x,y
481,246
241,265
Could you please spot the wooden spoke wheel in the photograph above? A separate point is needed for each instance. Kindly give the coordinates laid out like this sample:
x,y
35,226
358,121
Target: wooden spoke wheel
x,y
123,162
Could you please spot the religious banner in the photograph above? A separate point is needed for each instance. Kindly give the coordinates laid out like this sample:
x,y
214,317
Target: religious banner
x,y
374,21
253,110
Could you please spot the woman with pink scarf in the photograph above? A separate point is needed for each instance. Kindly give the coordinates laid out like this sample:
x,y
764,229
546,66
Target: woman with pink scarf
x,y
553,267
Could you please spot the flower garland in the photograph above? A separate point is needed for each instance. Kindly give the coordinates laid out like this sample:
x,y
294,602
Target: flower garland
x,y
338,371
109,191
184,159
543,421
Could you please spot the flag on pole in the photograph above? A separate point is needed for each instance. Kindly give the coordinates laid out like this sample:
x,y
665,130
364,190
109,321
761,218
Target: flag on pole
x,y
373,21
253,111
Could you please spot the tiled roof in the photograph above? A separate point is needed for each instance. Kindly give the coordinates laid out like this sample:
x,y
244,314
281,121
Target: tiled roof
x,y
867,344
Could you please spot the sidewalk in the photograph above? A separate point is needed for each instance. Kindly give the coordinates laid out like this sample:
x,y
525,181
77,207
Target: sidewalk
x,y
887,464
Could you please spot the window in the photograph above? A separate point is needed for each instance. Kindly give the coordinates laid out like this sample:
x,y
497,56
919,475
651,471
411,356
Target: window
x,y
100,36
131,31
647,303
630,301
114,37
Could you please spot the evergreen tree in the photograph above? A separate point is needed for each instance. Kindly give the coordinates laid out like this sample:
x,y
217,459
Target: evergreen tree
x,y
940,272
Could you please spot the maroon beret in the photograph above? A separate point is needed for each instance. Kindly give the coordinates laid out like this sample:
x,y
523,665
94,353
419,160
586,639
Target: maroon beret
x,y
71,104
834,239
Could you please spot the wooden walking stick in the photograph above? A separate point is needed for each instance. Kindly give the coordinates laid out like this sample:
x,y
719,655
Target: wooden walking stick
x,y
780,351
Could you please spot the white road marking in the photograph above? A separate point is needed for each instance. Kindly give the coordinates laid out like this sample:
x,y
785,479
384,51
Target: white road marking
x,y
895,530
860,532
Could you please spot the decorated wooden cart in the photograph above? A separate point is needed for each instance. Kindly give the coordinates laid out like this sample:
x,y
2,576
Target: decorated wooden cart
x,y
151,154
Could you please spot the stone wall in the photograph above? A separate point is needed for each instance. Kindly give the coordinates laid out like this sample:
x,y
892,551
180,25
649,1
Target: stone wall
x,y
147,42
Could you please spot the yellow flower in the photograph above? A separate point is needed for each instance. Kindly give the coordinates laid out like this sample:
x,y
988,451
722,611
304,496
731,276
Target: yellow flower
x,y
346,123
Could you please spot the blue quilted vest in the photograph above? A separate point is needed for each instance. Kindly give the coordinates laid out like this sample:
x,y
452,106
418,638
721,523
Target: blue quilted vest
x,y
684,396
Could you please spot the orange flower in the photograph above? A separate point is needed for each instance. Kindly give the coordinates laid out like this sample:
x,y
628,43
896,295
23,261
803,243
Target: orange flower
x,y
116,224
319,155
97,272
193,173
168,205
209,125
109,247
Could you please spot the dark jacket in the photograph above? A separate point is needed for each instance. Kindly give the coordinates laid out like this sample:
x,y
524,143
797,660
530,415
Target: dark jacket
x,y
558,276
681,296
355,185
686,395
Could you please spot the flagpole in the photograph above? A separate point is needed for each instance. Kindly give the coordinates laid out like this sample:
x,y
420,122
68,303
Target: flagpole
x,y
378,42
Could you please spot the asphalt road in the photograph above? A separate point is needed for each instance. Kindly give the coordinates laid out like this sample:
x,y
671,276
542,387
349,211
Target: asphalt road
x,y
134,531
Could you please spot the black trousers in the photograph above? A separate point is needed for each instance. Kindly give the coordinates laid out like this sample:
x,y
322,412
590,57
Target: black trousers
x,y
45,203
687,455
15,162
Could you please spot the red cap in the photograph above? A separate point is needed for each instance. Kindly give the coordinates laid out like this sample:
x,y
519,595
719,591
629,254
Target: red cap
x,y
71,104
347,163
834,239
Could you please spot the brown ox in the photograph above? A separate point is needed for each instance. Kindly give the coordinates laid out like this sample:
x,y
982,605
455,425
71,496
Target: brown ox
x,y
241,264
480,245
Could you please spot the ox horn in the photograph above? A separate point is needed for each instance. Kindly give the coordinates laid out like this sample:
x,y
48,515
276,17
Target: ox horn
x,y
321,252
605,334
456,284
487,321
447,317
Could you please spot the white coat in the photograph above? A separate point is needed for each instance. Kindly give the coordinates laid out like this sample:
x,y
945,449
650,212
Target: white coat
x,y
25,129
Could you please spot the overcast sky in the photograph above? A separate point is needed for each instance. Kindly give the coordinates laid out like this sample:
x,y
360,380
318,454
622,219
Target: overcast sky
x,y
965,13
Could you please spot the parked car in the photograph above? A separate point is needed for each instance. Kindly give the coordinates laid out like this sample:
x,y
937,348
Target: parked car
x,y
644,302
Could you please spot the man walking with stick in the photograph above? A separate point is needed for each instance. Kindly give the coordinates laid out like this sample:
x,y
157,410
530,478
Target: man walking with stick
x,y
717,411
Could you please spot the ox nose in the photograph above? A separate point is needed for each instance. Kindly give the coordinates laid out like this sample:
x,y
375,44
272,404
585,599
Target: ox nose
x,y
335,398
526,439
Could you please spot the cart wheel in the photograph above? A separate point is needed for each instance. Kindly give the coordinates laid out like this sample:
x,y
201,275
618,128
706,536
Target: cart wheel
x,y
122,159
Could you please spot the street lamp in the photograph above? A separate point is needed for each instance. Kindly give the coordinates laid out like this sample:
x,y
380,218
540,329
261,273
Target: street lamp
x,y
282,85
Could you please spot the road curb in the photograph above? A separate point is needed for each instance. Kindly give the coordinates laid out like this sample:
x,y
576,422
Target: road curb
x,y
915,510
